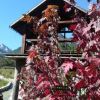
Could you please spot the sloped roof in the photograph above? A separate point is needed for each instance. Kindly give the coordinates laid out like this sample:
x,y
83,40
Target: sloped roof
x,y
19,26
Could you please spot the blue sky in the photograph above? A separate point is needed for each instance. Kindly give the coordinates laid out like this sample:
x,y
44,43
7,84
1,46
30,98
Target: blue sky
x,y
10,11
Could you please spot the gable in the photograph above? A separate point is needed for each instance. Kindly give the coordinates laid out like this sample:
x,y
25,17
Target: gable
x,y
19,26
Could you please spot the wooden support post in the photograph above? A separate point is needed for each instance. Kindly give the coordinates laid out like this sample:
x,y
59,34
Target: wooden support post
x,y
23,43
15,86
19,64
64,35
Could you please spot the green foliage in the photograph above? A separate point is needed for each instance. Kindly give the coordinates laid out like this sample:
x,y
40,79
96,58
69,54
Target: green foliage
x,y
7,72
3,83
68,47
6,62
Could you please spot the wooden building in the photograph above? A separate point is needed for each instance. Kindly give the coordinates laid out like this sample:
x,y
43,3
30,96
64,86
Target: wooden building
x,y
29,37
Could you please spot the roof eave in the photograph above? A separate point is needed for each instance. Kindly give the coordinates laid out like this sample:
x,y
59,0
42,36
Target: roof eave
x,y
27,13
77,7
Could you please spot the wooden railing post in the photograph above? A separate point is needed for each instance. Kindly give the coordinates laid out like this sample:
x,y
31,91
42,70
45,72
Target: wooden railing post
x,y
19,64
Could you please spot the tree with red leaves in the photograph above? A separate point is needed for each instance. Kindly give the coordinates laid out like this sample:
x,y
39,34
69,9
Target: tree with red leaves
x,y
44,78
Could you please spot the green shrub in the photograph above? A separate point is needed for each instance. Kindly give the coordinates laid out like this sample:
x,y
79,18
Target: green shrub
x,y
3,83
7,72
6,62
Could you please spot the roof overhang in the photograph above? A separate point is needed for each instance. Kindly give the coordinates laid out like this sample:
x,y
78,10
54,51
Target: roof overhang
x,y
20,26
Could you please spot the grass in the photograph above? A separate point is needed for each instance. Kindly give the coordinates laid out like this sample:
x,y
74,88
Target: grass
x,y
3,83
7,72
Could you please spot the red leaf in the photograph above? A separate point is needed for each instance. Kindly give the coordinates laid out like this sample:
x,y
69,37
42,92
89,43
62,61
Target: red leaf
x,y
80,84
72,27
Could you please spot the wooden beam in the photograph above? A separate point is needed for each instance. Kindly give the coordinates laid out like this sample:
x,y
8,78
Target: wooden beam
x,y
23,43
69,52
66,32
65,22
65,40
65,55
62,57
60,40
